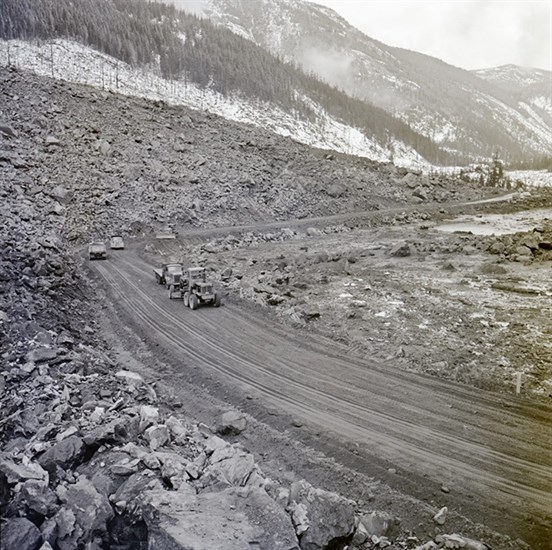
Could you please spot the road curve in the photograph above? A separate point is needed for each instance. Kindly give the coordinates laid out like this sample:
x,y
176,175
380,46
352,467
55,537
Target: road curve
x,y
430,427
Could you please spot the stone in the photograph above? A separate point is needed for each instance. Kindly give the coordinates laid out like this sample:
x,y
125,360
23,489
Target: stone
x,y
459,542
336,190
157,436
497,248
331,518
37,496
90,511
229,466
148,416
400,250
380,524
51,141
20,534
65,453
232,423
441,516
16,472
189,521
115,431
178,431
7,131
40,355
131,378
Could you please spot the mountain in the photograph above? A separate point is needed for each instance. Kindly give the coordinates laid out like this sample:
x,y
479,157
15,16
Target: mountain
x,y
288,65
464,112
530,86
194,58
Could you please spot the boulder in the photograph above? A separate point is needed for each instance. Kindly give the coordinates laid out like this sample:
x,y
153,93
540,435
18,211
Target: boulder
x,y
20,534
38,497
441,516
336,190
329,518
400,250
15,472
148,416
232,423
232,519
380,524
229,466
115,431
83,517
65,453
157,436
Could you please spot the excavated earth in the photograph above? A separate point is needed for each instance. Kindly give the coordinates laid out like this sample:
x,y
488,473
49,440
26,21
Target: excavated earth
x,y
356,390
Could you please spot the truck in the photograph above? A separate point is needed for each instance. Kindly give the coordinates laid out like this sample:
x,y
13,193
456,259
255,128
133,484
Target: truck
x,y
196,290
169,274
97,251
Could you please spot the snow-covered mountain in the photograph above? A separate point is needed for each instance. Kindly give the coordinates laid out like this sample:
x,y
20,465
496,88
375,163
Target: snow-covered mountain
x,y
468,112
530,86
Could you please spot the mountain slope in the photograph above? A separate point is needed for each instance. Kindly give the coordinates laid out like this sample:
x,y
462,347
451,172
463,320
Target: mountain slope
x,y
454,107
187,50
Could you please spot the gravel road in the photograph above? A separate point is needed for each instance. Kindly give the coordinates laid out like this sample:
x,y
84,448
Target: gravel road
x,y
497,452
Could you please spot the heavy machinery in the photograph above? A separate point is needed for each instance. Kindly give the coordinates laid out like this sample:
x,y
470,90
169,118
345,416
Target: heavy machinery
x,y
97,251
196,291
169,275
116,243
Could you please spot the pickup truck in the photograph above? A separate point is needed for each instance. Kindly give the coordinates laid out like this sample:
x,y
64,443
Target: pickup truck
x,y
169,274
97,251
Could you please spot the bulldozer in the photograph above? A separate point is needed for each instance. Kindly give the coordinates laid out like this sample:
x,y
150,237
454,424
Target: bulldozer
x,y
196,290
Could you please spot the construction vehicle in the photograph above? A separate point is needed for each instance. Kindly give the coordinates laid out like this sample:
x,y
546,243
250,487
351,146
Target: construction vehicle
x,y
169,275
196,291
97,251
116,243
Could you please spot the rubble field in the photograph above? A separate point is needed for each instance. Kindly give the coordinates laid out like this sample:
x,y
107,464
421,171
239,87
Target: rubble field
x,y
121,434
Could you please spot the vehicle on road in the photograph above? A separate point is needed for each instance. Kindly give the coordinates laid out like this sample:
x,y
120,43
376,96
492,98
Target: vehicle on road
x,y
116,243
196,290
169,274
97,251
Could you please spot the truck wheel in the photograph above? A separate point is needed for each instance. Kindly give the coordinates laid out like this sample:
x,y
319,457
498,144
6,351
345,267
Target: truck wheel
x,y
186,299
216,302
193,302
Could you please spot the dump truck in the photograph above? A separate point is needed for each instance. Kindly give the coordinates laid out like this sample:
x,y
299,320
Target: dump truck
x,y
196,290
97,251
169,274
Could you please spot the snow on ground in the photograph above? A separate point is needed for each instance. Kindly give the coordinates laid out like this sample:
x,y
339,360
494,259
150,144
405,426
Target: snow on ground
x,y
72,62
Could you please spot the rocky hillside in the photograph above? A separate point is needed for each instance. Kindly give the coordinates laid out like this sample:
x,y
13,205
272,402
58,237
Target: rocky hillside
x,y
455,108
110,164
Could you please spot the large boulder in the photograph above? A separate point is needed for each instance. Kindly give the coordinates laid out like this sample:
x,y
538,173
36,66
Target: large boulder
x,y
83,517
20,534
232,423
321,518
233,519
65,453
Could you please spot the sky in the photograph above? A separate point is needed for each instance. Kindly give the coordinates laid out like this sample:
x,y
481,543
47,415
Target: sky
x,y
472,34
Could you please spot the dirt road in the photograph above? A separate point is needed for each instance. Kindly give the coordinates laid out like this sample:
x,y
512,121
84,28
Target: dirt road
x,y
497,450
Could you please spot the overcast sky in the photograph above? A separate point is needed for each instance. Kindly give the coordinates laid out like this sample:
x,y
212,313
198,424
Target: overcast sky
x,y
469,34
